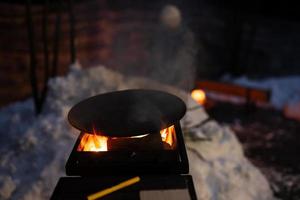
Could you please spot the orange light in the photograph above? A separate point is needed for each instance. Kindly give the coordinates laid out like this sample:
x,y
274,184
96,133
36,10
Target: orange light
x,y
97,143
167,134
92,142
199,96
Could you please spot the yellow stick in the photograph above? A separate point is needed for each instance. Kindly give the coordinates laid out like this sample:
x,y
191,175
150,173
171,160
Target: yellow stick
x,y
114,188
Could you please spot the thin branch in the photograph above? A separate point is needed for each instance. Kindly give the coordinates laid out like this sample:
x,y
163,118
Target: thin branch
x,y
199,155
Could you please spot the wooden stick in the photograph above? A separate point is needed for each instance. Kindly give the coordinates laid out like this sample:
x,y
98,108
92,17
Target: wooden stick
x,y
113,188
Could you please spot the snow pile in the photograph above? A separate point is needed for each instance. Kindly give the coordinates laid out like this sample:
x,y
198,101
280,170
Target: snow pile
x,y
34,149
7,186
284,90
218,165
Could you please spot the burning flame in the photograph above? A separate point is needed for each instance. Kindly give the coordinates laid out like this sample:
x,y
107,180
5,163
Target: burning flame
x,y
93,142
167,134
96,143
199,96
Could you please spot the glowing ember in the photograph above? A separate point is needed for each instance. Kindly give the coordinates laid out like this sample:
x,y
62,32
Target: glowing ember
x,y
139,136
93,142
199,96
167,134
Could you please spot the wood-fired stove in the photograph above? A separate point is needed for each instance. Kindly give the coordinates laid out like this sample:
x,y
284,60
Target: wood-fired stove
x,y
128,133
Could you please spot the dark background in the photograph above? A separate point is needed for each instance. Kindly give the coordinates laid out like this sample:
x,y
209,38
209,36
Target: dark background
x,y
253,38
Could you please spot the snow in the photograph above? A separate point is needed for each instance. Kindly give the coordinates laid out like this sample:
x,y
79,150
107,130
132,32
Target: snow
x,y
220,170
34,150
7,186
284,90
217,162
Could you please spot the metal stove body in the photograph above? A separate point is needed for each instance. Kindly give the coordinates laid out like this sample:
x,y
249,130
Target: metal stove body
x,y
148,159
133,124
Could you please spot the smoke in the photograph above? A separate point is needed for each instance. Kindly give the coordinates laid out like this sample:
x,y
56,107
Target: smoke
x,y
173,50
167,49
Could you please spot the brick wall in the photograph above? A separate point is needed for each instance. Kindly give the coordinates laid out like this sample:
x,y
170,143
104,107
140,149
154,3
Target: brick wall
x,y
116,33
97,30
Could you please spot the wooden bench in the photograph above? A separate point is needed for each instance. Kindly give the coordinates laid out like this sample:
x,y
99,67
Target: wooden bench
x,y
251,95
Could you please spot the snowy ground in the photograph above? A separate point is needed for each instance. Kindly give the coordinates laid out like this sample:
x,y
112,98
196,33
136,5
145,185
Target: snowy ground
x,y
284,90
34,150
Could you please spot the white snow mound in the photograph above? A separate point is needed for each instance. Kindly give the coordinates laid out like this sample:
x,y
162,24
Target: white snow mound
x,y
35,150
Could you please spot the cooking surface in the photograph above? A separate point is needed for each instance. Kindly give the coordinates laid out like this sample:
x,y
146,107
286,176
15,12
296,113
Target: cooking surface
x,y
127,113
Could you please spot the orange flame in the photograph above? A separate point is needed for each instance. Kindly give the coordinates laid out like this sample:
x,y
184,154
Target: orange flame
x,y
96,143
199,96
167,134
93,142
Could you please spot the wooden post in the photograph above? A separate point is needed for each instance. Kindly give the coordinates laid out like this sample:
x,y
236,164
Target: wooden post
x,y
56,39
39,97
46,55
72,32
33,62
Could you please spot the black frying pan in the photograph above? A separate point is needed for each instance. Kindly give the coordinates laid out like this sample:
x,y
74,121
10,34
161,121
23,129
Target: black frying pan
x,y
127,113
